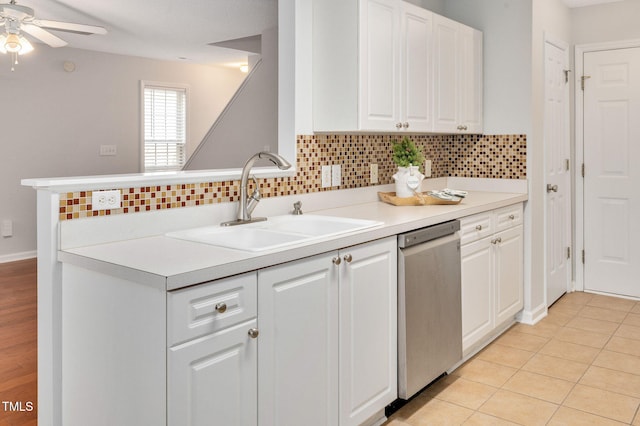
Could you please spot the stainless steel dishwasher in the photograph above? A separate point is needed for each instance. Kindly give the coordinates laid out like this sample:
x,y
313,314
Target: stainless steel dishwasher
x,y
429,305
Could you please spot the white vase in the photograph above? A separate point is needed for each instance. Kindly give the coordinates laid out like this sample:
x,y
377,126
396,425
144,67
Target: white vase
x,y
408,180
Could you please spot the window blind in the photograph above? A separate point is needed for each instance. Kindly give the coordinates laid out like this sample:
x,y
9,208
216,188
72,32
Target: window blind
x,y
164,128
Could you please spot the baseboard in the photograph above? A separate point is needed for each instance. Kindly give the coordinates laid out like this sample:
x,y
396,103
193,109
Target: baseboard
x,y
533,316
14,257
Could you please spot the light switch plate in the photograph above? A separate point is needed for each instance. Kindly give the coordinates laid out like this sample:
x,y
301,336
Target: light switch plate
x,y
7,228
373,173
427,168
108,150
326,176
106,200
336,175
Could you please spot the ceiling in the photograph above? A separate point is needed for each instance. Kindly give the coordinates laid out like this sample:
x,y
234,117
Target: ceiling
x,y
162,29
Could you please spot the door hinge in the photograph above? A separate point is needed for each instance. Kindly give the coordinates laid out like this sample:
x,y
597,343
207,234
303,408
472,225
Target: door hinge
x,y
582,79
583,256
567,164
566,75
582,169
568,252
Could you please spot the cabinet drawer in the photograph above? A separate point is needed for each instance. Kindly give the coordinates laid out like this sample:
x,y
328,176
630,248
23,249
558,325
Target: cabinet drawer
x,y
210,307
508,217
473,228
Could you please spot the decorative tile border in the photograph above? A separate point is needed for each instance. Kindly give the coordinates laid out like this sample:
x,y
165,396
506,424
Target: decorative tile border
x,y
502,157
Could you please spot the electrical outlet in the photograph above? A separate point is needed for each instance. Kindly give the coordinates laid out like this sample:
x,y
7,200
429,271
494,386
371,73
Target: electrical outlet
x,y
326,176
108,150
7,228
336,175
373,173
427,168
106,200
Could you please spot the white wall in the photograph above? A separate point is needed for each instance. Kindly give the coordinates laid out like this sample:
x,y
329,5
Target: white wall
x,y
606,22
53,122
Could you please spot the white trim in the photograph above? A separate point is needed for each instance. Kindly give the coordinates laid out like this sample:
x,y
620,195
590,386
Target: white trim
x,y
14,257
580,50
533,316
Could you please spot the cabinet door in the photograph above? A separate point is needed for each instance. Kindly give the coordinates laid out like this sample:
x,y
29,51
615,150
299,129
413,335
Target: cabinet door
x,y
213,379
368,330
379,100
446,70
298,351
477,292
416,68
509,273
470,80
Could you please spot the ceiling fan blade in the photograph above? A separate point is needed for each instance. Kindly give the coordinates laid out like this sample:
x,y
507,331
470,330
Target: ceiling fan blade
x,y
69,27
43,35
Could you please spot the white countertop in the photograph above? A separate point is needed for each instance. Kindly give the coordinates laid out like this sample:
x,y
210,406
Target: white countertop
x,y
170,264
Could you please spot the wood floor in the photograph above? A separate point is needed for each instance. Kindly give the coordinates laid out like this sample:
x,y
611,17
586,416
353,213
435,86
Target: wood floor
x,y
18,346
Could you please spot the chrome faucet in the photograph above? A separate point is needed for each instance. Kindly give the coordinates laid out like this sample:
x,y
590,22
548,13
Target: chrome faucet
x,y
247,204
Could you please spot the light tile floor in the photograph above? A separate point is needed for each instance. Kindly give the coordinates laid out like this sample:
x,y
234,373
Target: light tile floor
x,y
578,366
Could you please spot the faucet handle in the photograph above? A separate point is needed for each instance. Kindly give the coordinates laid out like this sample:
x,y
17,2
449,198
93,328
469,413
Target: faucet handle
x,y
297,208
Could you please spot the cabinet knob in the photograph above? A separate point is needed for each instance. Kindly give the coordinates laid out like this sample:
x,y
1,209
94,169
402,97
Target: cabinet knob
x,y
552,188
496,240
221,307
336,260
348,258
253,333
398,125
405,124
479,228
512,216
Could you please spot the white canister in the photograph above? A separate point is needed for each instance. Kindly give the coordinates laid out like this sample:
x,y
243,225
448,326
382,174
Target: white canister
x,y
408,180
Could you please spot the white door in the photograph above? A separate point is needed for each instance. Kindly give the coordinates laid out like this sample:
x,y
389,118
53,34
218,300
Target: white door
x,y
380,55
416,69
509,273
612,177
558,179
368,330
213,379
298,343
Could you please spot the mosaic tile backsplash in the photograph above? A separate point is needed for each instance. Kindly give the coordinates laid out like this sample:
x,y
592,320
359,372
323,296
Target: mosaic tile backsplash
x,y
480,156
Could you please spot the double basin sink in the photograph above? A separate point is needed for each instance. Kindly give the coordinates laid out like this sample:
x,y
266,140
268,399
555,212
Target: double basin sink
x,y
274,233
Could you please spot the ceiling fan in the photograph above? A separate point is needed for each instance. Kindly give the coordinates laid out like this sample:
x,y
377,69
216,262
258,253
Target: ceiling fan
x,y
17,18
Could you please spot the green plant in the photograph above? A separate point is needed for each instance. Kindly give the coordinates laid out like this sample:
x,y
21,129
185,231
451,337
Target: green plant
x,y
406,153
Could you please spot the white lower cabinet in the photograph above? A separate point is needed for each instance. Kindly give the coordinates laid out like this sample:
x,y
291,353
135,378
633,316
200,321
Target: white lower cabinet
x,y
212,378
492,274
327,349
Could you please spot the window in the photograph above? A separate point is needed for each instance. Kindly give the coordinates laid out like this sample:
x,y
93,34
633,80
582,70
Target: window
x,y
165,118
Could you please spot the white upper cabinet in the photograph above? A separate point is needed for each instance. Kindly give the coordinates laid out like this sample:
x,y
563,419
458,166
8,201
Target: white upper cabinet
x,y
457,77
375,65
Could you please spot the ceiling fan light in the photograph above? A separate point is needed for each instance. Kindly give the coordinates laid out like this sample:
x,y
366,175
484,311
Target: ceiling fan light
x,y
26,45
12,43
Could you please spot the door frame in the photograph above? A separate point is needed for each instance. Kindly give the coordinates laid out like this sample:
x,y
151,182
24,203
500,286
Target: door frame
x,y
562,45
580,50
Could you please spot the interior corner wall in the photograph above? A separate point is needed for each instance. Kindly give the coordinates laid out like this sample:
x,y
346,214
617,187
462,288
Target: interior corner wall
x,y
53,121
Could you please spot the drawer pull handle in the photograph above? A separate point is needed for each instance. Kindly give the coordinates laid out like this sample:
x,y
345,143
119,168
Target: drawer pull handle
x,y
348,258
479,228
253,333
512,216
221,307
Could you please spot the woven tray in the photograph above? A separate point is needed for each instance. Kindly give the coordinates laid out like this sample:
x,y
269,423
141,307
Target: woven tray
x,y
390,197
